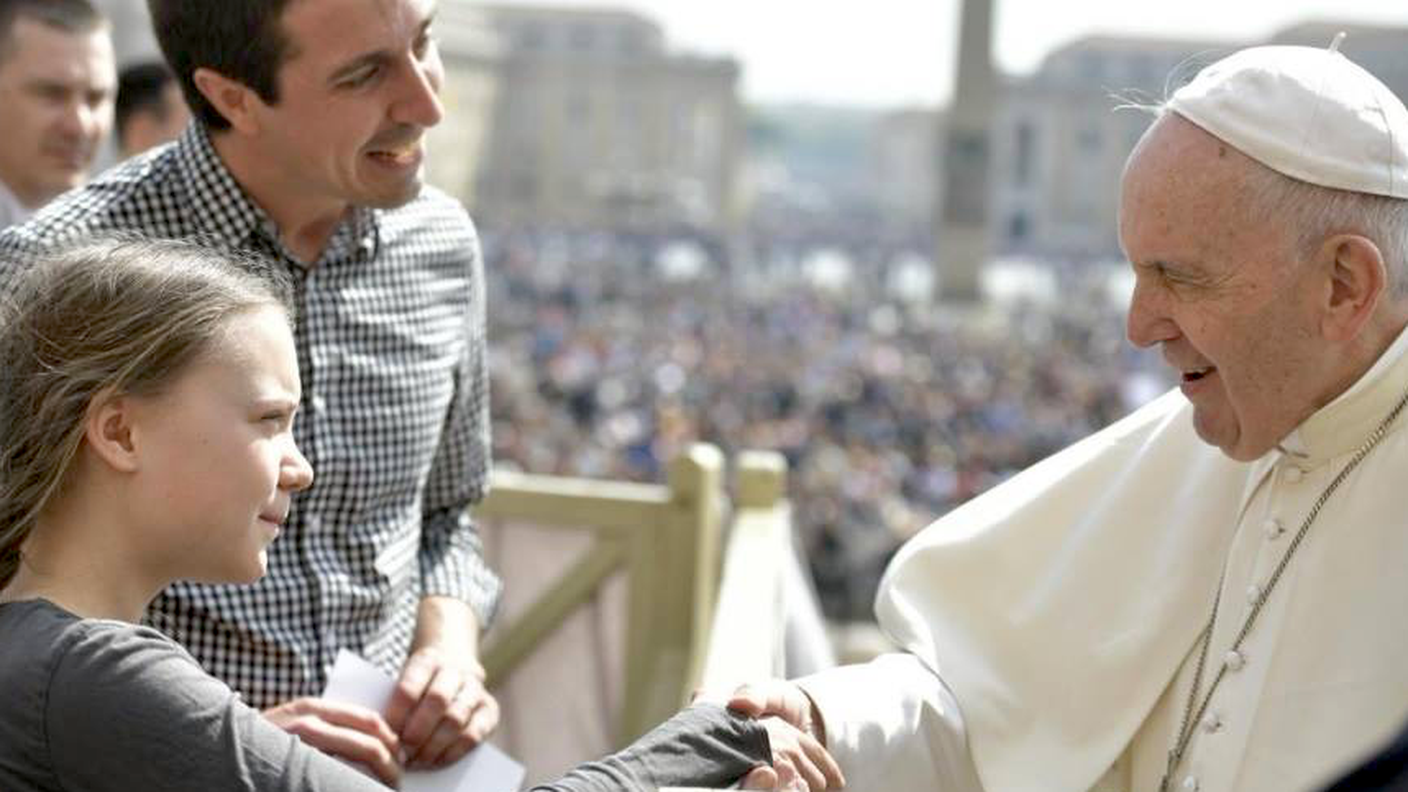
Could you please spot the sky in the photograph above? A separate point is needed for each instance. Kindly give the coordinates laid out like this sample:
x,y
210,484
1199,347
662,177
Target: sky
x,y
890,53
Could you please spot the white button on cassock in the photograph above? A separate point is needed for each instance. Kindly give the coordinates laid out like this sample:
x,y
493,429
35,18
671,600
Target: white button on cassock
x,y
1274,529
1253,594
1234,660
1212,723
1190,784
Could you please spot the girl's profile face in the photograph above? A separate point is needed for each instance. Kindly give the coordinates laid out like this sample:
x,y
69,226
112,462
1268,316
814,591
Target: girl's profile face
x,y
217,461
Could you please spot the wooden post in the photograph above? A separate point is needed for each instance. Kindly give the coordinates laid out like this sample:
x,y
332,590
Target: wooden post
x,y
762,479
673,577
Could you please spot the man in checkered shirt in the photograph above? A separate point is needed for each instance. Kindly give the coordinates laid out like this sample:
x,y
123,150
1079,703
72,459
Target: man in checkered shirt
x,y
307,148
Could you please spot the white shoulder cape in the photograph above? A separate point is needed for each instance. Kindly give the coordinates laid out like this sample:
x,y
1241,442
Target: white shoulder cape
x,y
1058,605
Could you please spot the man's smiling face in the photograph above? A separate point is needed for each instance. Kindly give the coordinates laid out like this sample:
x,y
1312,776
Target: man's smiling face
x,y
1227,298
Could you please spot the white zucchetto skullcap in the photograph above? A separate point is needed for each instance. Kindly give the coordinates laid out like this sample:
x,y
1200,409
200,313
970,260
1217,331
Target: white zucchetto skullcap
x,y
1308,113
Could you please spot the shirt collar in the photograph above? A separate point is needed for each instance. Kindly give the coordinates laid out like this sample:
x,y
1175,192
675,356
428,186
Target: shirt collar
x,y
225,212
220,205
1346,422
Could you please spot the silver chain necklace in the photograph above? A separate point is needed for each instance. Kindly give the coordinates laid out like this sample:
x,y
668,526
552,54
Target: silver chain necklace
x,y
1193,710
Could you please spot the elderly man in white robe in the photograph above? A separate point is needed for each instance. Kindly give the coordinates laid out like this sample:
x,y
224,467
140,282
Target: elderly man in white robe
x,y
1210,594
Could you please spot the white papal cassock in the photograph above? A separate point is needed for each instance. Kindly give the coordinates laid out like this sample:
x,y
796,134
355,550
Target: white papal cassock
x,y
1062,608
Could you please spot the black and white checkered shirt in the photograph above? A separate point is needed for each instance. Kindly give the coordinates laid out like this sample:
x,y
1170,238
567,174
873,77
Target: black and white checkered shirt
x,y
394,419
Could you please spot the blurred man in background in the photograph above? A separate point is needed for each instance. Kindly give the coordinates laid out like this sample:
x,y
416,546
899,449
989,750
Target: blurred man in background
x,y
57,78
150,108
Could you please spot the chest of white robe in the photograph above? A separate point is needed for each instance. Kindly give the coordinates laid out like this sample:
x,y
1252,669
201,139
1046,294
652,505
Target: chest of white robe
x,y
1324,674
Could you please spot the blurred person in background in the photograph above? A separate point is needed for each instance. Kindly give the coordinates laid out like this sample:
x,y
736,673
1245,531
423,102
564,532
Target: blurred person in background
x,y
57,79
150,109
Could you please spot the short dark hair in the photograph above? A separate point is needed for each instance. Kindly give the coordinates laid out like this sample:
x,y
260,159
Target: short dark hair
x,y
243,40
140,89
71,16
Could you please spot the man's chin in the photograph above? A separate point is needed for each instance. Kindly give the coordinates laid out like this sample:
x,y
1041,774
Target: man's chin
x,y
1233,443
398,198
1211,431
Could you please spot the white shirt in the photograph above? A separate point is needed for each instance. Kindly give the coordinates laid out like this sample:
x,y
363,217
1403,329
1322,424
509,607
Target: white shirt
x,y
1059,607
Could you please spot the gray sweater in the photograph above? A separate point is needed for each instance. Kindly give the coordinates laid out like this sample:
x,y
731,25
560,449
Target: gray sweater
x,y
88,705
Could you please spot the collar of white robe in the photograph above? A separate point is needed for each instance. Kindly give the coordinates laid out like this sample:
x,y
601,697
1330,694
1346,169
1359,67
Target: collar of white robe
x,y
1196,706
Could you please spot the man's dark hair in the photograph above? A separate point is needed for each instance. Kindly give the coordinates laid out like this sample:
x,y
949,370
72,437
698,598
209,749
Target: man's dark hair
x,y
243,40
140,89
70,16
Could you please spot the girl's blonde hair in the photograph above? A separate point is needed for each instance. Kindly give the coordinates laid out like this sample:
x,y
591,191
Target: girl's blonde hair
x,y
119,315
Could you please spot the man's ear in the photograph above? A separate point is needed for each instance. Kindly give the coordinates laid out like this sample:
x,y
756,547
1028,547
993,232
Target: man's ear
x,y
110,432
231,98
1358,280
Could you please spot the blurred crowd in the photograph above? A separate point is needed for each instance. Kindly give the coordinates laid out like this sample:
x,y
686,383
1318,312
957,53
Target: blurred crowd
x,y
607,360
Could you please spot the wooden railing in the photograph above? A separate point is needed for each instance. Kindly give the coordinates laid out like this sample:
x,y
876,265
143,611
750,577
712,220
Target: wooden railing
x,y
665,538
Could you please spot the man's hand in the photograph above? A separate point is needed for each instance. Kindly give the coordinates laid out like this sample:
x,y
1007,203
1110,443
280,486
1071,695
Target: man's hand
x,y
347,731
797,735
781,777
440,708
782,699
798,762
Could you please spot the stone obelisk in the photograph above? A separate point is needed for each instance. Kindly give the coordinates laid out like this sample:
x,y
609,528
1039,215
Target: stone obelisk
x,y
961,230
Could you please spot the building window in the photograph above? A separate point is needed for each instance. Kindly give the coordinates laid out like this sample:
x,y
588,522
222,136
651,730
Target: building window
x,y
1018,228
1088,140
582,38
1025,145
531,37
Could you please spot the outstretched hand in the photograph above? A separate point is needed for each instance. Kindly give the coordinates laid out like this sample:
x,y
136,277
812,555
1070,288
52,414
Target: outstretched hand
x,y
356,734
796,733
781,699
798,762
781,777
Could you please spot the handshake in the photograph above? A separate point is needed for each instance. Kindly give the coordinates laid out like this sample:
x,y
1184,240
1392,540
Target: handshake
x,y
796,733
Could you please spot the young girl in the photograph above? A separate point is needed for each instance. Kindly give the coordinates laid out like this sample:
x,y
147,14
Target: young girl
x,y
147,390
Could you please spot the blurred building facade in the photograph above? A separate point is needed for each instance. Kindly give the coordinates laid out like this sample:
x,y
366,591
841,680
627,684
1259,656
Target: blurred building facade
x,y
1060,142
598,125
1065,131
473,59
904,160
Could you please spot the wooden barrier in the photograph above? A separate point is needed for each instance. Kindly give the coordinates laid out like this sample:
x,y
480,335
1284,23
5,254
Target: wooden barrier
x,y
665,538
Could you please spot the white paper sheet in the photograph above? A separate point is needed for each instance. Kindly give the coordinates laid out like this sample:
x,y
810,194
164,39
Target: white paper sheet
x,y
485,769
